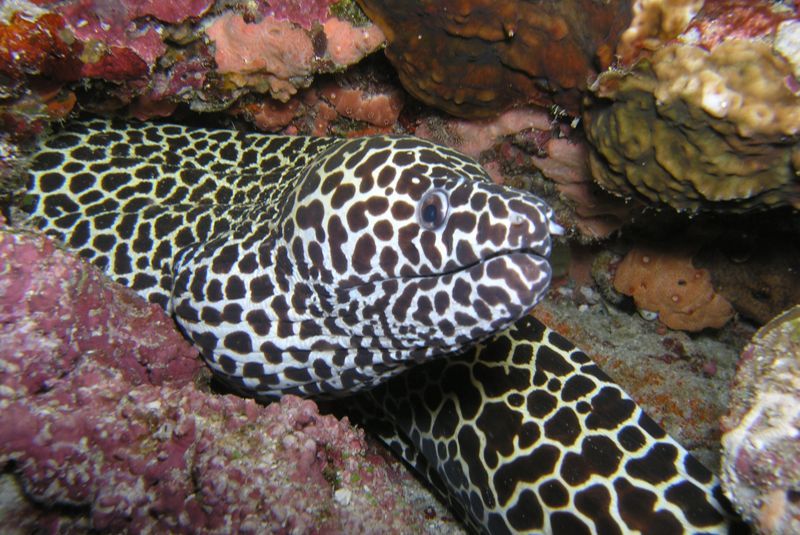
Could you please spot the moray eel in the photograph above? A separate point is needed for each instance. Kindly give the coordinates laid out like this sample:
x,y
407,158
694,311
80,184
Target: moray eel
x,y
326,266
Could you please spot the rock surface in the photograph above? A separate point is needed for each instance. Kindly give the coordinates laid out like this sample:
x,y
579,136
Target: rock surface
x,y
761,440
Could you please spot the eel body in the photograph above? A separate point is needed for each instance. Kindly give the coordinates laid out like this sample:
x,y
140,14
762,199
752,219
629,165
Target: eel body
x,y
326,266
299,265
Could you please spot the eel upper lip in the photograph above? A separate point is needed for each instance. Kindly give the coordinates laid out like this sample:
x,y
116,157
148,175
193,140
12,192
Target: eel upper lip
x,y
539,251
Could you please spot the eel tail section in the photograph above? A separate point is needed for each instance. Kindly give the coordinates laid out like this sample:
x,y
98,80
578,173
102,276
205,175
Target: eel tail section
x,y
525,434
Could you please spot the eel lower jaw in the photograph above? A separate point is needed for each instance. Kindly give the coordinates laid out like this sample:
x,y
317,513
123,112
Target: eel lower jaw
x,y
538,256
533,261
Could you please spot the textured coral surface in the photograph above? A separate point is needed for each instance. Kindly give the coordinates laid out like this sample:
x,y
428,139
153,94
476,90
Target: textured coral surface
x,y
655,22
104,429
146,57
276,52
517,142
304,13
700,122
761,441
666,282
36,46
474,58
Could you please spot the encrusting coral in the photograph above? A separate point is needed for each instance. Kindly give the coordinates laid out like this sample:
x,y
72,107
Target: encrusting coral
x,y
359,101
271,55
278,57
654,22
700,123
475,58
666,282
761,440
148,56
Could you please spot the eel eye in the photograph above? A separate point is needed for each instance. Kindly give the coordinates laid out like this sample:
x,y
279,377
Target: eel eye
x,y
432,209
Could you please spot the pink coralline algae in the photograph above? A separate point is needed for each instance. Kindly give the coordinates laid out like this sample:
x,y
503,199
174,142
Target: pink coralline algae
x,y
761,440
350,104
304,13
375,108
103,427
272,53
120,41
208,55
278,57
348,44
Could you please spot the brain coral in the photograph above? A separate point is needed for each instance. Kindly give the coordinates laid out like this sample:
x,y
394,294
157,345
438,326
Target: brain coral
x,y
473,58
761,449
711,126
666,282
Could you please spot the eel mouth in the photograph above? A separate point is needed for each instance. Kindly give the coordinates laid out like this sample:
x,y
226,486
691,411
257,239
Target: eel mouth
x,y
539,254
542,253
530,261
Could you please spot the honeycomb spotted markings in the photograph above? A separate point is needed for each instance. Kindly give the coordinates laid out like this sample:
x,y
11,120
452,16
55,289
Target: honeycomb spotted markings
x,y
325,266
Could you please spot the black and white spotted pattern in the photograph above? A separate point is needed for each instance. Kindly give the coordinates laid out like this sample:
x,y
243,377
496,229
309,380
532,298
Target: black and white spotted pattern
x,y
299,265
525,434
328,265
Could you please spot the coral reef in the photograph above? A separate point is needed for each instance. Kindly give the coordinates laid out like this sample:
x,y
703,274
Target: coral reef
x,y
360,101
304,13
565,161
54,310
104,429
475,58
665,282
147,57
761,448
701,22
272,55
516,142
31,43
118,42
378,108
654,23
347,44
701,122
276,56
37,56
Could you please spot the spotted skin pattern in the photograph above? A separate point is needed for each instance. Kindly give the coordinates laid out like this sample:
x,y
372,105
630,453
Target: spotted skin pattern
x,y
323,266
299,265
525,434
